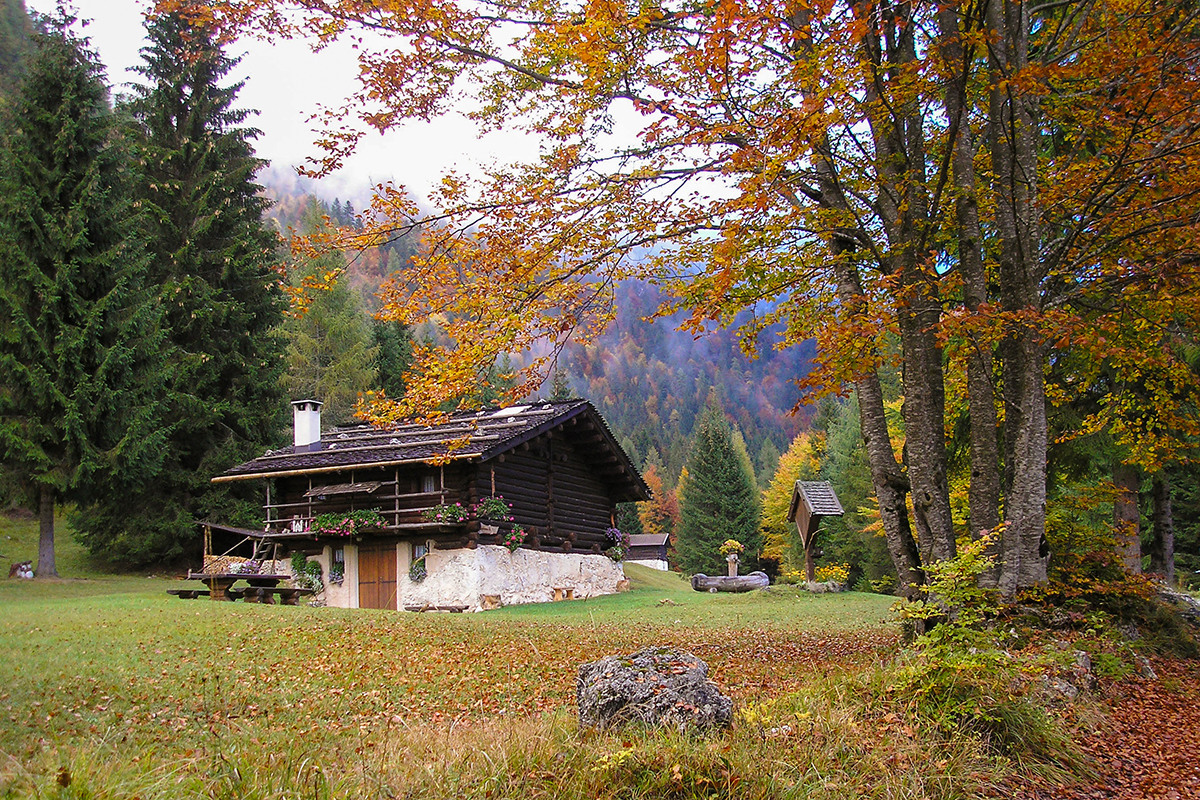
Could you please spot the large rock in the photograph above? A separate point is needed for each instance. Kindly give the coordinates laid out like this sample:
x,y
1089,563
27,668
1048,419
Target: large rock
x,y
1188,606
657,686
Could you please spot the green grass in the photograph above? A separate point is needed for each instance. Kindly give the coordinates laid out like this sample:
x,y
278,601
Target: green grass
x,y
119,690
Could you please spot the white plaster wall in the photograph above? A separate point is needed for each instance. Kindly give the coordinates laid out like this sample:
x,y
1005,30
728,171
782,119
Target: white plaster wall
x,y
652,563
463,577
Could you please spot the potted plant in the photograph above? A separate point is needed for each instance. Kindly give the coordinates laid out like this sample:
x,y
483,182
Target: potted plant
x,y
447,514
493,508
619,547
417,571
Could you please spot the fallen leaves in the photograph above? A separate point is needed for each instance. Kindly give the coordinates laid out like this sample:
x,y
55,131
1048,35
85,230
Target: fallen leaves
x,y
1148,747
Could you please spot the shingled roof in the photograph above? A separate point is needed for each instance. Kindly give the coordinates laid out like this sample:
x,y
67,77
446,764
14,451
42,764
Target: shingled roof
x,y
478,435
818,496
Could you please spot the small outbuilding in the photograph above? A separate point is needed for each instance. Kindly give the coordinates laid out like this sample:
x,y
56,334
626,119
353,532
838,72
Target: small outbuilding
x,y
649,549
392,513
811,502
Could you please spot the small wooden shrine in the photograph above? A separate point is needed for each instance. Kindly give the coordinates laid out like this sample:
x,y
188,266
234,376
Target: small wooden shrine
x,y
812,501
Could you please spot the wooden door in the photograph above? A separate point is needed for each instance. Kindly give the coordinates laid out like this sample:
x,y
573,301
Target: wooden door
x,y
377,576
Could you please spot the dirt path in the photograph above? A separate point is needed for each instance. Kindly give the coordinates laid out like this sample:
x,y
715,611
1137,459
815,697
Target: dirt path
x,y
1149,749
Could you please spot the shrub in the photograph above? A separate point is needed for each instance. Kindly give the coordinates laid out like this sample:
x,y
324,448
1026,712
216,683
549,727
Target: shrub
x,y
305,573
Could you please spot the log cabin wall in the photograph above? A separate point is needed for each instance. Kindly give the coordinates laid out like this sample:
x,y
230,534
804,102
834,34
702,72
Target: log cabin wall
x,y
553,494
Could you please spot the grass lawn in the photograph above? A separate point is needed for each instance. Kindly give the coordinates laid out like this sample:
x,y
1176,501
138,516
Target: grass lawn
x,y
118,690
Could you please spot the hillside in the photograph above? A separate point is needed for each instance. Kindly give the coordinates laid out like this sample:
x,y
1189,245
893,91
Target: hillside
x,y
651,380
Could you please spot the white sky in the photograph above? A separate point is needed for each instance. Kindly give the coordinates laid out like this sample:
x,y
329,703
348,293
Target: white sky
x,y
285,82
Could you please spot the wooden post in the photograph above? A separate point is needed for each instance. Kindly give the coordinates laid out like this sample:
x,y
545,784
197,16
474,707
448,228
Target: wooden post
x,y
732,561
810,574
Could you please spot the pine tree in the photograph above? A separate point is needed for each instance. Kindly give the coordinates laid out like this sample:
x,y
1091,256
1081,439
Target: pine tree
x,y
79,340
212,261
718,501
628,520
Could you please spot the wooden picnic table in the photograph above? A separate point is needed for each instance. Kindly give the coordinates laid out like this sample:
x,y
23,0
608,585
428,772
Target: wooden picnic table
x,y
220,584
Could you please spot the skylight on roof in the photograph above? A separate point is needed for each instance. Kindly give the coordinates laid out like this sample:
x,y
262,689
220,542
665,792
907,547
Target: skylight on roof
x,y
511,411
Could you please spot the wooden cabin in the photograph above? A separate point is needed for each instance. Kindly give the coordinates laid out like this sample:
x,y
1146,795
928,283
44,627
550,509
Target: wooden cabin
x,y
556,463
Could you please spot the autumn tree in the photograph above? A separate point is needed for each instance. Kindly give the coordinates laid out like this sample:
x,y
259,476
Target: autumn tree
x,y
963,177
79,332
212,266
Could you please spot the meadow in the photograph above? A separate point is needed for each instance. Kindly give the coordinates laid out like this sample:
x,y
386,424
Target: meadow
x,y
113,688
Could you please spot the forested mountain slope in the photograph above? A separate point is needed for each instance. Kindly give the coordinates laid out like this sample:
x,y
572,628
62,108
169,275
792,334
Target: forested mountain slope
x,y
649,380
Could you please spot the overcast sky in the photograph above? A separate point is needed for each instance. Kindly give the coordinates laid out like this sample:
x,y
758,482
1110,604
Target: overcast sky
x,y
285,82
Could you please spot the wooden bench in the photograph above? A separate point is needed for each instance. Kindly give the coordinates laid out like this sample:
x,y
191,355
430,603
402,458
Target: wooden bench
x,y
188,594
266,595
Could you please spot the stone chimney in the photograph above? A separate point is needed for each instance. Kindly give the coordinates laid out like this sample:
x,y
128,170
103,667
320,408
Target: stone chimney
x,y
306,418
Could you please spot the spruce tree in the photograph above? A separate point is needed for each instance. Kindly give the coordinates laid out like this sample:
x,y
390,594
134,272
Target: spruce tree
x,y
79,341
212,262
14,43
393,355
331,355
719,499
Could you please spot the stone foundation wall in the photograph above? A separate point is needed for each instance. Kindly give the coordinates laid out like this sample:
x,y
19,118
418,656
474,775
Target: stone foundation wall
x,y
473,578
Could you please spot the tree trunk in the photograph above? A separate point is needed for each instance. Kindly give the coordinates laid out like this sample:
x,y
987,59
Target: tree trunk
x,y
891,486
898,134
1012,137
1127,517
46,568
983,492
1162,548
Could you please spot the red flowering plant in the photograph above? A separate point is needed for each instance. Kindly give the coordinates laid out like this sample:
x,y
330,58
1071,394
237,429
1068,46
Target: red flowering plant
x,y
513,538
448,514
348,524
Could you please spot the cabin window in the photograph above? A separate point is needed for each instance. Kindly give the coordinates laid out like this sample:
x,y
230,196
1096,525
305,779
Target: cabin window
x,y
419,550
337,569
429,484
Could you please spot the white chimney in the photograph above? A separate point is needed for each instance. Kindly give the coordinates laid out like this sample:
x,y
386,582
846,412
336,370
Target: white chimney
x,y
306,419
